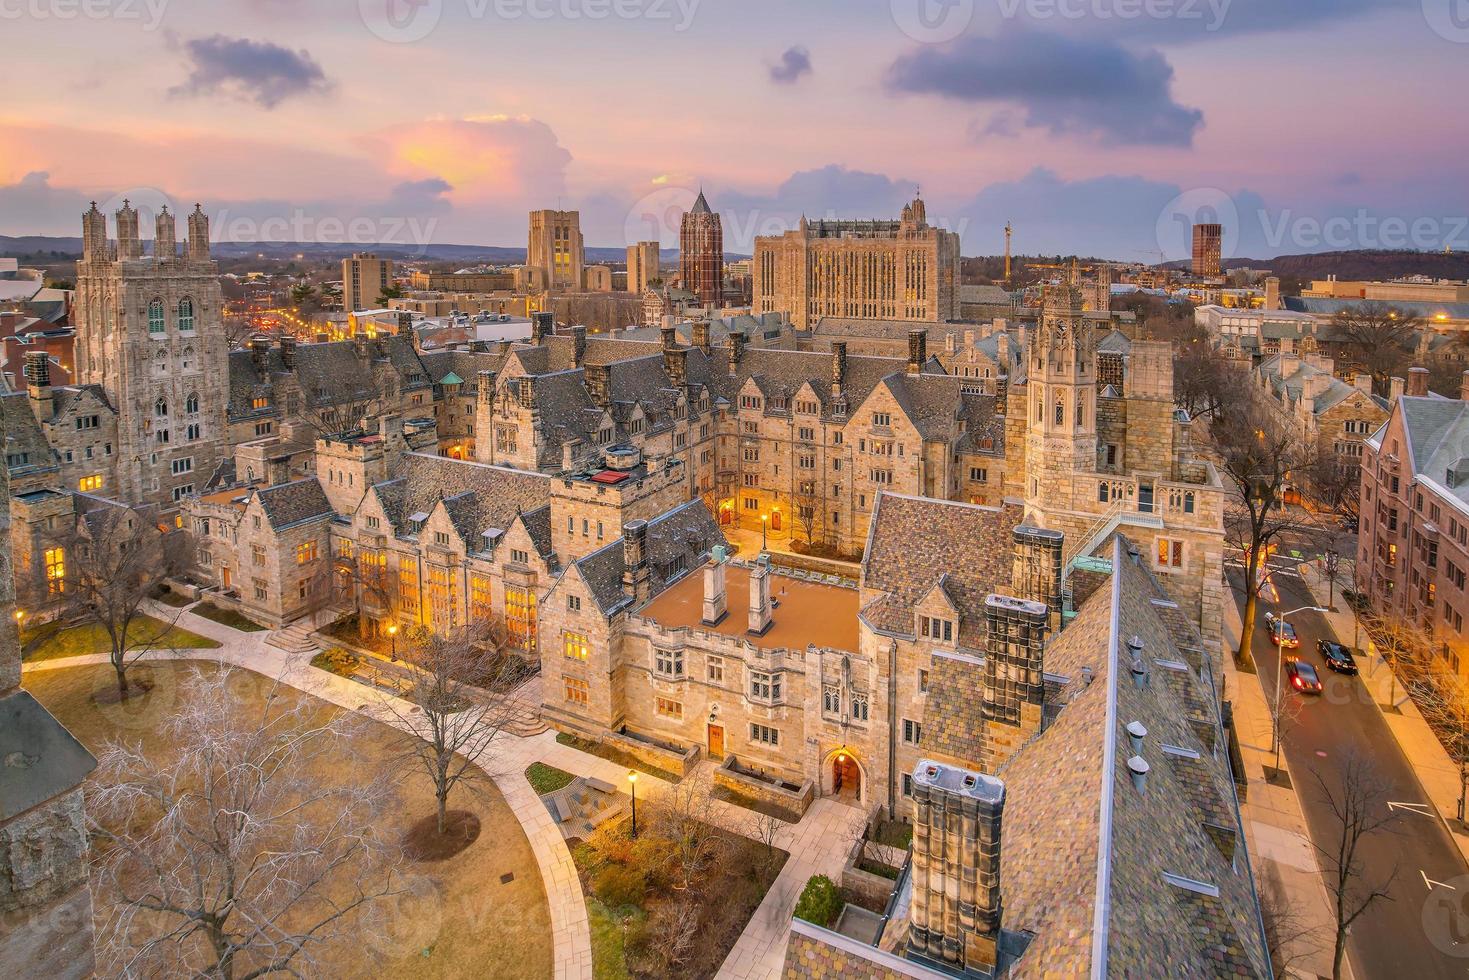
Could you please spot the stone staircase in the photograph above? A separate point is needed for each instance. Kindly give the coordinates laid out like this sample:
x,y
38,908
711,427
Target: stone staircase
x,y
295,639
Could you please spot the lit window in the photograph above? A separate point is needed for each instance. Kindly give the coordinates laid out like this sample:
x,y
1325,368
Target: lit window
x,y
576,646
668,708
89,484
55,571
305,552
577,690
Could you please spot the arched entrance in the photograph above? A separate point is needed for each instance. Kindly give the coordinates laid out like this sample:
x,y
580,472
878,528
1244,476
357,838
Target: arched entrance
x,y
842,777
775,519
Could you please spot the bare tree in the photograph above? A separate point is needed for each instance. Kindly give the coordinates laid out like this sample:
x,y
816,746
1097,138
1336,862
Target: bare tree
x,y
1442,695
1289,937
806,506
684,816
1204,380
233,857
765,829
1379,337
1259,464
1403,645
464,696
115,559
1355,796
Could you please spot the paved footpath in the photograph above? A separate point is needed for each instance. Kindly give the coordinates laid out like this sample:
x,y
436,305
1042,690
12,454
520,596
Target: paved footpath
x,y
817,845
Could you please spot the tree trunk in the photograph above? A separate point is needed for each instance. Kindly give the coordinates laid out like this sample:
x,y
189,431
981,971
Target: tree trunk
x,y
443,796
1339,952
122,679
1247,629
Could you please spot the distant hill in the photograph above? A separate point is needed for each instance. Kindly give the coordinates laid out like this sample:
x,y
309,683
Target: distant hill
x,y
1358,264
39,247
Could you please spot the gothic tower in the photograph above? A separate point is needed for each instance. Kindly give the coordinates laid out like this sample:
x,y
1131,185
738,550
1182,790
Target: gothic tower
x,y
150,333
1061,435
701,253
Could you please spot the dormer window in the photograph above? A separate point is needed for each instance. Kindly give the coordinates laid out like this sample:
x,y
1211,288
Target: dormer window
x,y
933,628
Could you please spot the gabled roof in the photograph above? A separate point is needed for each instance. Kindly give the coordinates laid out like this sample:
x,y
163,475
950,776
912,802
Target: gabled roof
x,y
689,531
482,496
288,504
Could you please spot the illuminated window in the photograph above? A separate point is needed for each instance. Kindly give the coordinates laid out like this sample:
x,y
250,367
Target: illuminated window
x,y
89,484
575,646
262,402
479,598
305,552
577,690
520,618
668,708
55,571
1170,553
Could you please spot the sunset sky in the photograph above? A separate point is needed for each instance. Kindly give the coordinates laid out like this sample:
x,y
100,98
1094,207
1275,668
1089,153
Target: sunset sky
x,y
1093,125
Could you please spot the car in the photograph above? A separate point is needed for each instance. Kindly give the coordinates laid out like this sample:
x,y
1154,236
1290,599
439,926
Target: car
x,y
1337,657
1283,634
1303,677
1349,524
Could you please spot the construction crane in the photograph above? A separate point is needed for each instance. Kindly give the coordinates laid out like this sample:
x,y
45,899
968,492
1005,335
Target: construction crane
x,y
1008,232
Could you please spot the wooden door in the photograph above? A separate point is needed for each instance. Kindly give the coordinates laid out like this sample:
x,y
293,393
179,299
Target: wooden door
x,y
716,741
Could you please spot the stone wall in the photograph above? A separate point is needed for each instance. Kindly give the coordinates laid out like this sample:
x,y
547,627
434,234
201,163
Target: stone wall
x,y
679,763
747,785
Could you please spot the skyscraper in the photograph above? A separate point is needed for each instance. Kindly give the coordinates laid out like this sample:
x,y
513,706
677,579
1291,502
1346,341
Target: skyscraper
x,y
701,253
364,277
1208,249
556,247
642,266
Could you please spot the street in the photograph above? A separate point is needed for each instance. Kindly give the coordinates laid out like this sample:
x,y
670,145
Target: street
x,y
1393,938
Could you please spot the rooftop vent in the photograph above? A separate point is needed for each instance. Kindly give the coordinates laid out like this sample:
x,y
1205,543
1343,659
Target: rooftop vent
x,y
1136,732
1138,767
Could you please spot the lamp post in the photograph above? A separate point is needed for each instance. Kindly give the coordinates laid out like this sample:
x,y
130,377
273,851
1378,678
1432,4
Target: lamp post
x,y
764,523
393,637
1279,669
632,782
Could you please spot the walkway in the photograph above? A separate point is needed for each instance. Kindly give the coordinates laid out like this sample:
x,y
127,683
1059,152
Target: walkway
x,y
817,845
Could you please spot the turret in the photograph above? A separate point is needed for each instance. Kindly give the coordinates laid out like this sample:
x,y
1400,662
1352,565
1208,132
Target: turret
x,y
165,239
198,235
129,245
94,236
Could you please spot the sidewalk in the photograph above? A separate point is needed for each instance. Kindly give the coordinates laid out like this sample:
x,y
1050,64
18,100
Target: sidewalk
x,y
1280,846
1424,752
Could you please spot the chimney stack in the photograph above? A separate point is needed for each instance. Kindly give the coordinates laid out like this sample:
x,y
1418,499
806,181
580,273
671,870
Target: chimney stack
x,y
1418,381
542,325
260,355
839,378
405,323
701,334
760,617
670,337
578,345
599,384
736,351
1013,693
956,913
917,350
1272,293
288,352
37,370
1363,383
636,582
1396,386
716,607
485,394
675,362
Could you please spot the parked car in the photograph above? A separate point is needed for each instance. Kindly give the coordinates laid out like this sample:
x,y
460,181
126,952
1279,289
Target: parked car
x,y
1337,657
1349,524
1283,634
1303,677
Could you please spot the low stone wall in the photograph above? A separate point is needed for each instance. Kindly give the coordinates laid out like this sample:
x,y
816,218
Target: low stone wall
x,y
871,887
731,777
667,758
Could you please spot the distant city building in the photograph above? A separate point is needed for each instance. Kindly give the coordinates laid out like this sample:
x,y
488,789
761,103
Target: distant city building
x,y
1418,289
899,270
364,278
1208,250
701,253
556,248
642,266
599,279
463,282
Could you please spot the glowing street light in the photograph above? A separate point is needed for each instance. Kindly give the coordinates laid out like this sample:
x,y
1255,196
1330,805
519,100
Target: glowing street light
x,y
393,636
632,782
764,523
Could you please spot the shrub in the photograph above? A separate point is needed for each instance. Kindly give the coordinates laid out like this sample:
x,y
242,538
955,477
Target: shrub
x,y
337,660
820,903
619,884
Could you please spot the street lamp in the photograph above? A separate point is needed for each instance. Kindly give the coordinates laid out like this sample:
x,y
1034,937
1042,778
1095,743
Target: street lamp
x,y
20,615
764,522
393,636
632,782
1279,668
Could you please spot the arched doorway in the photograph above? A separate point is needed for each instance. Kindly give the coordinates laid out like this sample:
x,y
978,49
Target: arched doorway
x,y
775,519
842,777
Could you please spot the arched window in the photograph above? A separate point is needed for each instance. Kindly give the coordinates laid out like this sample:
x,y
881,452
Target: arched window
x,y
155,316
191,404
160,408
186,314
1188,501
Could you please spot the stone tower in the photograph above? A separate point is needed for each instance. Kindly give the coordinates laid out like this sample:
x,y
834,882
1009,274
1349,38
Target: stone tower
x,y
701,253
1061,433
150,333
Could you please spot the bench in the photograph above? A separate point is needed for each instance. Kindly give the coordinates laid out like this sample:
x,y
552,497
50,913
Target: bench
x,y
601,785
558,810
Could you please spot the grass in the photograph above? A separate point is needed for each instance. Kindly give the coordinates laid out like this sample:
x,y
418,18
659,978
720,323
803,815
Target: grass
x,y
228,617
879,868
48,642
547,779
609,930
894,833
171,598
612,754
456,913
335,661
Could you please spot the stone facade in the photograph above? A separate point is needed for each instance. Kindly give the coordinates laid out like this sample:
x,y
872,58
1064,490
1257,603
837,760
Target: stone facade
x,y
555,249
905,269
642,267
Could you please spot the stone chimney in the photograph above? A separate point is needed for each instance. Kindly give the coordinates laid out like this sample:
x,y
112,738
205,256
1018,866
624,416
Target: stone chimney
x,y
1464,387
701,334
636,579
485,393
1272,293
578,345
405,323
675,363
917,350
736,351
760,614
260,355
38,384
599,384
1036,571
1363,383
956,913
1418,381
542,325
670,337
383,344
288,352
1396,387
525,390
839,378
1289,365
716,607
1013,693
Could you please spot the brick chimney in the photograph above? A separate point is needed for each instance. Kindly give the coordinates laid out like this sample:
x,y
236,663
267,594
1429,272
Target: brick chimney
x,y
599,384
38,384
578,345
288,352
1013,694
917,350
760,613
716,605
636,579
1418,381
956,913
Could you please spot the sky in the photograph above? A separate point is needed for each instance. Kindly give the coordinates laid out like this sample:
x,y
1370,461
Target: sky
x,y
1097,127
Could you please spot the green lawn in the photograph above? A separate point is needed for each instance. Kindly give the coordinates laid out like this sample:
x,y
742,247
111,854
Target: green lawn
x,y
227,617
546,779
88,638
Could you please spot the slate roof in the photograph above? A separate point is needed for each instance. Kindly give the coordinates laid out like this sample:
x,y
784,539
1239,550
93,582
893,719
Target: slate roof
x,y
288,504
1293,384
477,496
688,530
1438,439
23,434
329,373
913,542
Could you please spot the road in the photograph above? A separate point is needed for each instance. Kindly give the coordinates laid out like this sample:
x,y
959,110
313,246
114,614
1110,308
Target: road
x,y
1390,939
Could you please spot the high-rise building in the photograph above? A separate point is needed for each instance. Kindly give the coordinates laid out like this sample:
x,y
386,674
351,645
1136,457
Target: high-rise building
x,y
869,270
1208,249
364,278
701,253
642,266
150,334
556,247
